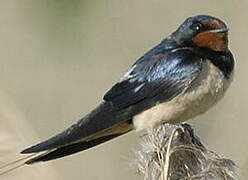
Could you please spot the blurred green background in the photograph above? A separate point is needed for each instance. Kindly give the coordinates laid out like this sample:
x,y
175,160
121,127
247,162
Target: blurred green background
x,y
58,57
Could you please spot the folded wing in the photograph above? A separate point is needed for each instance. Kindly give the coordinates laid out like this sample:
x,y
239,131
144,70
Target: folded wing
x,y
156,77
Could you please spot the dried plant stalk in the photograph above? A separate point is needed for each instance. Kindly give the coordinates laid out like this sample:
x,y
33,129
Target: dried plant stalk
x,y
175,152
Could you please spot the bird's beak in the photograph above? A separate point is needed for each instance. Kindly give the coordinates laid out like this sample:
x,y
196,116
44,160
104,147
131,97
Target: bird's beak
x,y
220,30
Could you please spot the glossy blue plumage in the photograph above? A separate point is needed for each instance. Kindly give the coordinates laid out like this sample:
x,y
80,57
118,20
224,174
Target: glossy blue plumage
x,y
163,72
160,75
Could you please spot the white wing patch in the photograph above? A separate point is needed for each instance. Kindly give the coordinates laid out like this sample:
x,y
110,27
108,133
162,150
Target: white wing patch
x,y
138,88
128,75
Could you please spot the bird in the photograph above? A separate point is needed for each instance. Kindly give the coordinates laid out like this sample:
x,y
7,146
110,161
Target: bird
x,y
183,76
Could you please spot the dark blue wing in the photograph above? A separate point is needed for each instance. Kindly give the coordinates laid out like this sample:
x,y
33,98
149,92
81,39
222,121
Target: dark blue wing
x,y
160,75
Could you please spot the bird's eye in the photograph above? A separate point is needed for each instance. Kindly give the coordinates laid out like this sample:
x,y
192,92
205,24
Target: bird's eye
x,y
196,26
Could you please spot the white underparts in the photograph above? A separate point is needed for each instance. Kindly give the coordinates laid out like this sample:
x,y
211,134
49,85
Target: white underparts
x,y
198,99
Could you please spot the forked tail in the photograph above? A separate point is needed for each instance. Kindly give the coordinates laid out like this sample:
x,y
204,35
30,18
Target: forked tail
x,y
68,149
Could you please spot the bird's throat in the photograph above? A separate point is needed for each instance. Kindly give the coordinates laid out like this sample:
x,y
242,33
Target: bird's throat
x,y
214,41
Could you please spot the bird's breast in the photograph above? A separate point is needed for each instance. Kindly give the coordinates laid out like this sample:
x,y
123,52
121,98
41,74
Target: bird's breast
x,y
204,92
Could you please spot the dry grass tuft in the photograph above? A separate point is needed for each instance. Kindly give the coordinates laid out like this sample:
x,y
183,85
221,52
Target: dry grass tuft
x,y
175,152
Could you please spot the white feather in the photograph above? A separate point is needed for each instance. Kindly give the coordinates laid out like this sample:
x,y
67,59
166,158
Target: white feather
x,y
197,100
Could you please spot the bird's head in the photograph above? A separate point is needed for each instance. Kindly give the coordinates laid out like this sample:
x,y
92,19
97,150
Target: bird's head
x,y
203,31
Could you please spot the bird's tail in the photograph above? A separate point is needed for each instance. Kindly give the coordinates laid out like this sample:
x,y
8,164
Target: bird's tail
x,y
68,149
92,141
99,120
13,165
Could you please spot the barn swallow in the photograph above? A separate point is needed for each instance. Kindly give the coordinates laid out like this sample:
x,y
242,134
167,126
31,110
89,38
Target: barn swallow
x,y
182,77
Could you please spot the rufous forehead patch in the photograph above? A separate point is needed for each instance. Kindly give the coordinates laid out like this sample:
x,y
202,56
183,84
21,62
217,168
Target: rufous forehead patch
x,y
215,24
